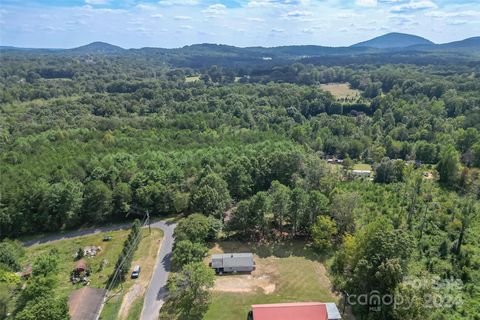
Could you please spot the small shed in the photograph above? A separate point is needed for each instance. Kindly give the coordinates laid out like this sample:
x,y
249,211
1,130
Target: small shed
x,y
80,266
233,262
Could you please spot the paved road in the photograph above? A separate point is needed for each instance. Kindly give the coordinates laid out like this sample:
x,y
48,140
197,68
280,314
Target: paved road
x,y
157,291
78,233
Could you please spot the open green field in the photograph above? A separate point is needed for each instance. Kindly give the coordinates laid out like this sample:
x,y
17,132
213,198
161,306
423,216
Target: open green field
x,y
286,272
341,90
192,78
362,166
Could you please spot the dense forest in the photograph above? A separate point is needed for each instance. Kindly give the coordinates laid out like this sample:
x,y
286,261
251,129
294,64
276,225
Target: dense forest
x,y
93,138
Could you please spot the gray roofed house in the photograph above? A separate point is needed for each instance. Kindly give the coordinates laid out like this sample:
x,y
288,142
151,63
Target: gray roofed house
x,y
233,262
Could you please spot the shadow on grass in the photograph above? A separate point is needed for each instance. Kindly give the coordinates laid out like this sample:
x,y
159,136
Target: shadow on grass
x,y
283,249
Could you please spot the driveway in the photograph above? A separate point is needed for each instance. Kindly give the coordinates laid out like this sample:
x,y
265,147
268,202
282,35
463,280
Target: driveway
x,y
157,291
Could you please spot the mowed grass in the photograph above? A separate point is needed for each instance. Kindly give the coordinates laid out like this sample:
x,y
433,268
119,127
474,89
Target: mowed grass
x,y
362,166
341,90
298,277
192,78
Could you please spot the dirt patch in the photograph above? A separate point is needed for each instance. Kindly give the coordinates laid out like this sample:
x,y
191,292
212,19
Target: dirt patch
x,y
135,291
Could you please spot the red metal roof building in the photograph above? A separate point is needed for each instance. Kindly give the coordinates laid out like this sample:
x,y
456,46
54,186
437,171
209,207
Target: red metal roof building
x,y
290,311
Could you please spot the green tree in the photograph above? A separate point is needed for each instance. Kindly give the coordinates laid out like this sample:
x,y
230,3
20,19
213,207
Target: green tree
x,y
317,205
449,166
241,219
298,209
44,308
10,254
322,233
45,264
97,201
375,262
189,290
389,171
468,214
239,179
342,209
197,228
280,199
121,200
186,252
211,196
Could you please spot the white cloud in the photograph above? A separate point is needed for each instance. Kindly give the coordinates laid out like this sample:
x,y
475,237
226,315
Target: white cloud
x,y
182,18
146,7
297,14
366,3
156,15
215,9
277,30
178,2
443,14
254,19
414,5
457,22
95,2
348,15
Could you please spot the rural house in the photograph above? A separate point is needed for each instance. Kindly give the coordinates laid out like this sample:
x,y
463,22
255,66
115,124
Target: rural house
x,y
232,262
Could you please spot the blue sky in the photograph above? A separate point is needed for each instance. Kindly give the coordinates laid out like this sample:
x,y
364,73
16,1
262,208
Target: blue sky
x,y
175,23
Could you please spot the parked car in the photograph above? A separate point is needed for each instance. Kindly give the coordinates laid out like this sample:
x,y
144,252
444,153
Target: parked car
x,y
136,272
107,238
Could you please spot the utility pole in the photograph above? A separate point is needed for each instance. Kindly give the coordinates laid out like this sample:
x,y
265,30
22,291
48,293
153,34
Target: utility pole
x,y
148,221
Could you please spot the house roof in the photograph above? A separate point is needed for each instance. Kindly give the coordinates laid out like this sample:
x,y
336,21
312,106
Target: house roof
x,y
290,311
232,255
80,265
85,303
332,311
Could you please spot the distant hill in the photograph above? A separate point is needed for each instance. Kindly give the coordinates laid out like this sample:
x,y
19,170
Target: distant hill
x,y
389,48
468,43
393,40
98,47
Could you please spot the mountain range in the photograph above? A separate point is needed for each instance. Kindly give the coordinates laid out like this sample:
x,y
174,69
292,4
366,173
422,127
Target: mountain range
x,y
390,48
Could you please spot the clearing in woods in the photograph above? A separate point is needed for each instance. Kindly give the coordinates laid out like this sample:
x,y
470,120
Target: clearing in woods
x,y
285,272
341,90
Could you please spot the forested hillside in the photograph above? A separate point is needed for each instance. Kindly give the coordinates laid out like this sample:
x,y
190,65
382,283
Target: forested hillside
x,y
93,138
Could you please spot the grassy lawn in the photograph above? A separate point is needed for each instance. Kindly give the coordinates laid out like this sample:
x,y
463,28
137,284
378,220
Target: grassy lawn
x,y
127,302
362,166
284,273
67,250
341,90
